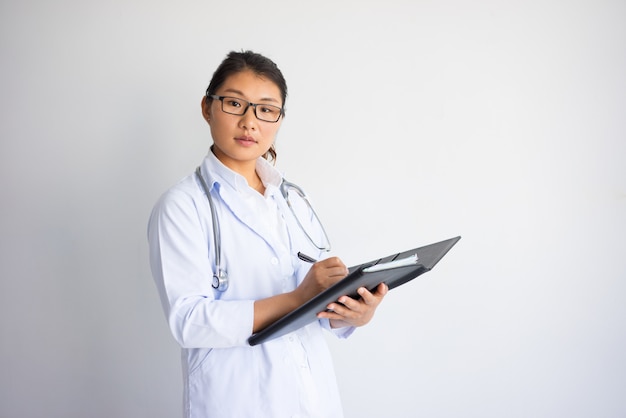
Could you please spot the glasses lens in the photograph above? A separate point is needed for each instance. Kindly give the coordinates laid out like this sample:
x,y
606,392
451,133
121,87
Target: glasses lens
x,y
267,113
234,105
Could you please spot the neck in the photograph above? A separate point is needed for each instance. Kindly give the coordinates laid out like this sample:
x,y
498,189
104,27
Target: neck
x,y
246,168
256,183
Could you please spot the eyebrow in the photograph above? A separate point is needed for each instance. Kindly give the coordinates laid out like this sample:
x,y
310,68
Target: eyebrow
x,y
263,99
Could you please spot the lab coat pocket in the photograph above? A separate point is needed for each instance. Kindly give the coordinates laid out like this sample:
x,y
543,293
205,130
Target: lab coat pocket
x,y
200,359
226,384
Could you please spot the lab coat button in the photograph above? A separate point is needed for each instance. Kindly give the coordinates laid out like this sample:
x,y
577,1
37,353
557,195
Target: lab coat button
x,y
274,261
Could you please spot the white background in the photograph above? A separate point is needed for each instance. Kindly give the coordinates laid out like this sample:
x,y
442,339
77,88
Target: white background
x,y
408,122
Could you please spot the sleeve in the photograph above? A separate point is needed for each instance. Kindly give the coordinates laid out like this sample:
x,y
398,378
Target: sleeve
x,y
181,268
343,332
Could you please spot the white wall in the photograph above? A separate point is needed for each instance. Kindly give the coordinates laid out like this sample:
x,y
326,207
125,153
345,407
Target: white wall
x,y
503,122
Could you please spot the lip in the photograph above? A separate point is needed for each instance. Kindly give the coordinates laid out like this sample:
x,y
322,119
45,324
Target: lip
x,y
246,140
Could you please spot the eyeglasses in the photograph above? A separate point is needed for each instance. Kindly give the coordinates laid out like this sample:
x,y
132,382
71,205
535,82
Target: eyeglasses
x,y
236,106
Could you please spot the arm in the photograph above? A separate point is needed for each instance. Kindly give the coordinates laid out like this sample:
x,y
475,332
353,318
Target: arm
x,y
179,257
321,276
182,271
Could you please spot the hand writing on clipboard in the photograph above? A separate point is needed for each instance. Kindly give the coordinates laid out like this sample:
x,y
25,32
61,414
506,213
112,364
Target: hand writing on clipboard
x,y
347,311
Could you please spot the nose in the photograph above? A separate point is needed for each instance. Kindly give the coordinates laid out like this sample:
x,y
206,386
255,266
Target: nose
x,y
248,119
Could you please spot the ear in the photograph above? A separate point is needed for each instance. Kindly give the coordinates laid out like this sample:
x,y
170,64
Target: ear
x,y
206,109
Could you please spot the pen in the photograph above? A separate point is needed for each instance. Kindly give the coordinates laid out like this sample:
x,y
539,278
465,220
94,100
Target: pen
x,y
306,258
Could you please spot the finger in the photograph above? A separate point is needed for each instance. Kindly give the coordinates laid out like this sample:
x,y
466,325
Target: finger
x,y
345,307
331,315
350,303
336,272
373,298
336,309
333,262
367,296
382,289
321,270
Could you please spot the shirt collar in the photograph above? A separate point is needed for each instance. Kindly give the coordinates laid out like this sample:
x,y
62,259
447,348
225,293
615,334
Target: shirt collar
x,y
269,175
220,174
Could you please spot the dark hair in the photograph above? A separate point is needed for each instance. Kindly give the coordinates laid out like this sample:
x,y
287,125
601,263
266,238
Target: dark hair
x,y
236,62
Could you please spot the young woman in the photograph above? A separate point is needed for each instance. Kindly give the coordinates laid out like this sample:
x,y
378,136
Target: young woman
x,y
257,243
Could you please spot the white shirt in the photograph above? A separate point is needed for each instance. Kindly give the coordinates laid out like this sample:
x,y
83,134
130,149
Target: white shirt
x,y
291,376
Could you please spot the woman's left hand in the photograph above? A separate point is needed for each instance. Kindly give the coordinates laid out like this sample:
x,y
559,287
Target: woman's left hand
x,y
352,312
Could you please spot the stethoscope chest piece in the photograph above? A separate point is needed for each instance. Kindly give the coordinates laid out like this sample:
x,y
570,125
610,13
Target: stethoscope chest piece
x,y
220,281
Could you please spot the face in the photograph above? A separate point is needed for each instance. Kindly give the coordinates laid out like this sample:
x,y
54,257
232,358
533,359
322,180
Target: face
x,y
240,140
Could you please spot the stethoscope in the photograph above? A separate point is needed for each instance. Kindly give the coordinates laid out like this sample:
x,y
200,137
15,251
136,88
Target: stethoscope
x,y
220,277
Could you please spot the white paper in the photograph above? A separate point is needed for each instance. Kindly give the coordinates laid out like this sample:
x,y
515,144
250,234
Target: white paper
x,y
403,262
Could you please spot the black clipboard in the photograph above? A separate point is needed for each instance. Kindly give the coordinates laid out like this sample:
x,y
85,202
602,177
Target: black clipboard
x,y
428,256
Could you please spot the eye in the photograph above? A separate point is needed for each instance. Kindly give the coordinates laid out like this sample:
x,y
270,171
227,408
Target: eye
x,y
270,110
232,102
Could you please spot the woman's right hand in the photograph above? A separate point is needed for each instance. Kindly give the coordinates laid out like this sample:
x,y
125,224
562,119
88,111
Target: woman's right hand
x,y
320,277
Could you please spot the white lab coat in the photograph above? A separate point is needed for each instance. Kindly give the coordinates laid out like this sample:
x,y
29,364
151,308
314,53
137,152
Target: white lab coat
x,y
223,376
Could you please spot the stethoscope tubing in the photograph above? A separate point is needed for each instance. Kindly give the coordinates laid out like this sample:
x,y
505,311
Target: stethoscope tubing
x,y
220,277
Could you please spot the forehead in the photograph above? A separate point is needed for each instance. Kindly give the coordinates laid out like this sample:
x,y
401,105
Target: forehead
x,y
251,86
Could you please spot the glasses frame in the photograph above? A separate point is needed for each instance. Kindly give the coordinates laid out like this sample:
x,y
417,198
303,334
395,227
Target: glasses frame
x,y
249,104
